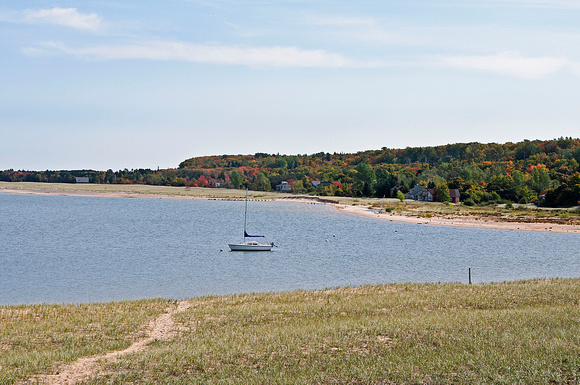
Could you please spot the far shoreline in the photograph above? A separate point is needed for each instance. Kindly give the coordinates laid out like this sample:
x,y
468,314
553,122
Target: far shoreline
x,y
162,192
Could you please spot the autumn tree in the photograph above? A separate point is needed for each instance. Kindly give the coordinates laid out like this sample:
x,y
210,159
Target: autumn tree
x,y
539,179
442,192
298,186
365,179
567,194
385,181
236,179
261,183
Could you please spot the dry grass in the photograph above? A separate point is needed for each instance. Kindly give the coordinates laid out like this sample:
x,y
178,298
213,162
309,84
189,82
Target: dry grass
x,y
195,192
36,339
522,332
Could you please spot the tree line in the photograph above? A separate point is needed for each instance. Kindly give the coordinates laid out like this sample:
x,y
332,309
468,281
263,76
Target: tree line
x,y
543,171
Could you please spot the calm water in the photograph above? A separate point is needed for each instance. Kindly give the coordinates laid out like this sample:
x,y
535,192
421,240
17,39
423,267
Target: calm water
x,y
79,249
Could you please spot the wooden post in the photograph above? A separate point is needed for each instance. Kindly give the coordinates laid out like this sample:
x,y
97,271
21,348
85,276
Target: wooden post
x,y
470,275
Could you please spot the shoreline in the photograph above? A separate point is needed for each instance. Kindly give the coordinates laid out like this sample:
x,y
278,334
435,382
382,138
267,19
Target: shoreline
x,y
471,221
474,222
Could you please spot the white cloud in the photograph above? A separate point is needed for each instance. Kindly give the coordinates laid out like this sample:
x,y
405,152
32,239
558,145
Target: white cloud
x,y
510,63
505,63
260,57
69,17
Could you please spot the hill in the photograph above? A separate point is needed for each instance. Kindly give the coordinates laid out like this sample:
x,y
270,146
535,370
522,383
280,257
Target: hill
x,y
544,171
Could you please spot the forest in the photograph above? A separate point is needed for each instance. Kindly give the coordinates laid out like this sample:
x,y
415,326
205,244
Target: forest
x,y
545,172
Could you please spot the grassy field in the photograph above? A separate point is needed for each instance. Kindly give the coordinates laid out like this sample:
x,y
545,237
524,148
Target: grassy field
x,y
34,339
522,332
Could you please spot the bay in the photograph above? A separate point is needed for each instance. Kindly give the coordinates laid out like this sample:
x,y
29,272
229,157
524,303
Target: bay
x,y
58,249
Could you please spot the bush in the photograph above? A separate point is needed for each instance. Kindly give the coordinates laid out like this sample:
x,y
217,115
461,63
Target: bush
x,y
400,196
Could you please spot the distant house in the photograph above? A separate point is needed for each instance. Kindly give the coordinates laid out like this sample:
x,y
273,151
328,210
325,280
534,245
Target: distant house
x,y
454,195
81,179
415,193
419,193
429,195
284,187
317,183
393,192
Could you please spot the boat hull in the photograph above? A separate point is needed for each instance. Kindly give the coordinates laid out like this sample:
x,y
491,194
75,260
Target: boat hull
x,y
249,247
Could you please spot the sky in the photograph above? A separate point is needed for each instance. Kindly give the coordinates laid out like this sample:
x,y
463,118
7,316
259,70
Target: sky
x,y
107,84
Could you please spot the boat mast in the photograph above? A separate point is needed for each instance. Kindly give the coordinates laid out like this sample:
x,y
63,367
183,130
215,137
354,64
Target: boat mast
x,y
245,214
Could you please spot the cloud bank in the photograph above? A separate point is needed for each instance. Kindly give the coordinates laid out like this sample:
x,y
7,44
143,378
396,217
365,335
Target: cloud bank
x,y
503,63
68,17
510,63
259,57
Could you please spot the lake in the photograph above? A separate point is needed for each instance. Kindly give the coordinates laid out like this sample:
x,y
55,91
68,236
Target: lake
x,y
59,249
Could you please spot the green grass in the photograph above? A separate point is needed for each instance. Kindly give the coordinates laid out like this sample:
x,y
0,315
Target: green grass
x,y
35,339
522,332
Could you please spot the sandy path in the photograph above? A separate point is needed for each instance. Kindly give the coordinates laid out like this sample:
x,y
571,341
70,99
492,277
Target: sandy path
x,y
160,329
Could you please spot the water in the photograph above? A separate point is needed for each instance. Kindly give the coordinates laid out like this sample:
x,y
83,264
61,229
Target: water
x,y
56,249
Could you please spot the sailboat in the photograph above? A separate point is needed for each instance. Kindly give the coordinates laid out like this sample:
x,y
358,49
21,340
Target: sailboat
x,y
250,245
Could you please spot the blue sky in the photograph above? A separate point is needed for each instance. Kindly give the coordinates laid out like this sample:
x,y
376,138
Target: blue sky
x,y
143,84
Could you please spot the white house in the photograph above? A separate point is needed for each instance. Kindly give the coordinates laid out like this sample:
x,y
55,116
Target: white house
x,y
284,187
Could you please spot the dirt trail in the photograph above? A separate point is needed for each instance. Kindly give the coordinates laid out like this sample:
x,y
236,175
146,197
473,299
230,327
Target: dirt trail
x,y
160,329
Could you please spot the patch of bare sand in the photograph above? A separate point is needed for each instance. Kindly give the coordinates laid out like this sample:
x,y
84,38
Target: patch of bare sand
x,y
161,329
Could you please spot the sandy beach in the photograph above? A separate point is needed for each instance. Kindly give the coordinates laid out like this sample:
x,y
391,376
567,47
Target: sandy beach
x,y
472,221
463,221
88,193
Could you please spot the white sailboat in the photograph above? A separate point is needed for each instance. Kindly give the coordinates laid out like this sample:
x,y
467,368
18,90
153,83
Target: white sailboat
x,y
250,245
